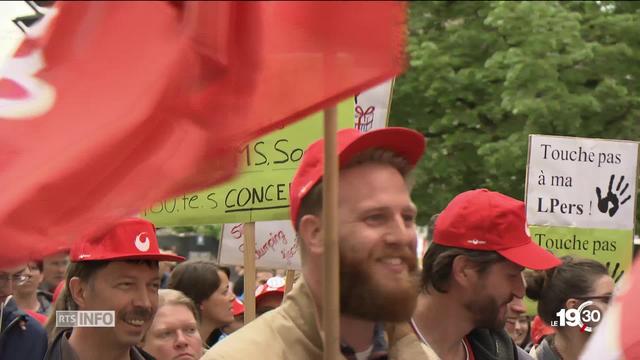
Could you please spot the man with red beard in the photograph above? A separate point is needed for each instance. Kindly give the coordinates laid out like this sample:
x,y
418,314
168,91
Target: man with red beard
x,y
471,273
115,271
378,267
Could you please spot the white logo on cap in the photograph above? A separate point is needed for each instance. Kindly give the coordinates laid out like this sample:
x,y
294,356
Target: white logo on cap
x,y
276,282
142,245
476,242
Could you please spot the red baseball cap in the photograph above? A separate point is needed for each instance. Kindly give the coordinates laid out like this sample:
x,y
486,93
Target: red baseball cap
x,y
128,239
406,143
274,285
237,307
490,221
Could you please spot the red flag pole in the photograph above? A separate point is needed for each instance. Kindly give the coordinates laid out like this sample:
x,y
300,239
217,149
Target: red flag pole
x,y
330,289
249,230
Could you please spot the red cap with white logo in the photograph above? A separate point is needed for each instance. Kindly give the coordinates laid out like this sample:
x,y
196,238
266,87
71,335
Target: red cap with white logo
x,y
129,239
237,307
490,221
275,284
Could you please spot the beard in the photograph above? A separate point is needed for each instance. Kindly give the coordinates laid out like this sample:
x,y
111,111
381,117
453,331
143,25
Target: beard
x,y
485,311
364,296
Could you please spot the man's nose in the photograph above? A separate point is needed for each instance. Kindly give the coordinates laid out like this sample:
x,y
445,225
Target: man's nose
x,y
142,298
519,287
181,340
401,232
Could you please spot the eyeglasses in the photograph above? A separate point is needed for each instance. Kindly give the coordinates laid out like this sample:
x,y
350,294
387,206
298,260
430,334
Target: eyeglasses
x,y
18,279
603,298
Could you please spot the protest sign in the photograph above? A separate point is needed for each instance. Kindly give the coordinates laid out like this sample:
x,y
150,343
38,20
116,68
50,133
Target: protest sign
x,y
276,245
581,196
372,107
261,191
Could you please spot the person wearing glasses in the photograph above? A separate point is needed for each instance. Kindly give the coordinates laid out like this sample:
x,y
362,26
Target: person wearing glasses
x,y
29,298
569,286
21,336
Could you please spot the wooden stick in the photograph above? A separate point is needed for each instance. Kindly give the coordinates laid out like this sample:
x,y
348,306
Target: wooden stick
x,y
289,281
330,279
249,230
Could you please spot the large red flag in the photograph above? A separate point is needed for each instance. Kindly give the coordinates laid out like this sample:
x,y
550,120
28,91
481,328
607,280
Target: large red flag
x,y
617,336
117,105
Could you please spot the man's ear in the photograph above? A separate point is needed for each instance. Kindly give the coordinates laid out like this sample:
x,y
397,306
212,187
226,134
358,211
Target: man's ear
x,y
311,234
463,271
78,291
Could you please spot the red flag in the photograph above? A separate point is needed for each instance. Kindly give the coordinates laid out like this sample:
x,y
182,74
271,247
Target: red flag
x,y
121,104
617,336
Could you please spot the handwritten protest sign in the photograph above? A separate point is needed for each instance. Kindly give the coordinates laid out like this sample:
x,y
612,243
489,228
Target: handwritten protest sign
x,y
581,196
261,191
276,245
372,107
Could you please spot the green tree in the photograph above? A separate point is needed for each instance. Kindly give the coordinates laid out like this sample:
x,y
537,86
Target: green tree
x,y
485,75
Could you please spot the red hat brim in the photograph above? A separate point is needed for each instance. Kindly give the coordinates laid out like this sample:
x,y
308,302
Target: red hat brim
x,y
408,144
531,256
151,257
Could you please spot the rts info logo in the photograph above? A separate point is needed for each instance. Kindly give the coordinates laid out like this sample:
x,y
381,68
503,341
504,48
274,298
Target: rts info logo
x,y
85,318
578,317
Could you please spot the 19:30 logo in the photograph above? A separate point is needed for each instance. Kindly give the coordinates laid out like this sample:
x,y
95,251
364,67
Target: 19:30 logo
x,y
578,317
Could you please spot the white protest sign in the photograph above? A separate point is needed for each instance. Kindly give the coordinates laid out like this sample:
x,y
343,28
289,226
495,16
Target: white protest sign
x,y
583,183
276,245
372,107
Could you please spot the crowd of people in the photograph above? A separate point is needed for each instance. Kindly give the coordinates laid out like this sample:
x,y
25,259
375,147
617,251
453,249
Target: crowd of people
x,y
465,301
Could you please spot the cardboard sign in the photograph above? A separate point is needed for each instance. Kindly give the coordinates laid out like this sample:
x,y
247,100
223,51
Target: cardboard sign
x,y
581,196
276,245
585,183
261,191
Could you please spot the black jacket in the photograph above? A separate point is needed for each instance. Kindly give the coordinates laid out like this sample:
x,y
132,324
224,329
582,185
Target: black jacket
x,y
60,349
494,345
21,336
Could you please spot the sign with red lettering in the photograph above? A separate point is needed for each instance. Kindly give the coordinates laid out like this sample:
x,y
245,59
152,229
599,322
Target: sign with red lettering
x,y
276,245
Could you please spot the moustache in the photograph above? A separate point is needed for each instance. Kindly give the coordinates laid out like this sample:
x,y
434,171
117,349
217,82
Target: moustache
x,y
139,313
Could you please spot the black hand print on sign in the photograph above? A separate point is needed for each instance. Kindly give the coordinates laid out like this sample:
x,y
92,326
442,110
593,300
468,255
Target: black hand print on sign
x,y
613,198
614,274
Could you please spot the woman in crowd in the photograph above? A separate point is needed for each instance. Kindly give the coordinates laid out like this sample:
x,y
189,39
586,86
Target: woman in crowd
x,y
174,332
522,331
208,286
569,286
518,324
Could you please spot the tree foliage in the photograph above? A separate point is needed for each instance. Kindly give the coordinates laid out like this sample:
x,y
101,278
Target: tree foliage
x,y
485,75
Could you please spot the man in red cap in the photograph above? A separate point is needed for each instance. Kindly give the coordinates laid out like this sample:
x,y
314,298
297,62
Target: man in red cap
x,y
378,265
471,273
114,271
